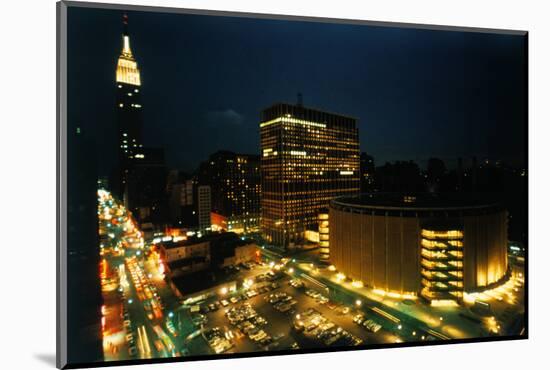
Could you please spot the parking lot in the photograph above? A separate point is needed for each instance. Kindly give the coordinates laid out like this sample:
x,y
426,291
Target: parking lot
x,y
262,315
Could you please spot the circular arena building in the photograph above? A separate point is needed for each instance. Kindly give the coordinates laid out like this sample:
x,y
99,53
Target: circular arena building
x,y
435,246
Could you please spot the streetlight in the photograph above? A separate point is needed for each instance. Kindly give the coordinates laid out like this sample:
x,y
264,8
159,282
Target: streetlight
x,y
291,270
358,303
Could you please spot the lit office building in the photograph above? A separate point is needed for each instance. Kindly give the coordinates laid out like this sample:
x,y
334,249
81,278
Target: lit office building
x,y
308,158
234,180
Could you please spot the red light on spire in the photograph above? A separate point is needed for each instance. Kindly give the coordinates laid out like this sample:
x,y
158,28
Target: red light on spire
x,y
125,24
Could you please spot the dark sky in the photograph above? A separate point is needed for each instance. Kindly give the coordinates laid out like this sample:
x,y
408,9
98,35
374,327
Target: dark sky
x,y
416,93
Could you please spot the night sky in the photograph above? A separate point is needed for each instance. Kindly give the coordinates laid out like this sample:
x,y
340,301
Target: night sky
x,y
417,93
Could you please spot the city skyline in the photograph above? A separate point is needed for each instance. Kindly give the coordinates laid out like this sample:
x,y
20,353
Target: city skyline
x,y
302,244
480,77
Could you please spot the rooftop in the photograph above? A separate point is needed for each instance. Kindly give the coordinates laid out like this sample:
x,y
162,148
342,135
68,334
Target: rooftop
x,y
418,201
226,238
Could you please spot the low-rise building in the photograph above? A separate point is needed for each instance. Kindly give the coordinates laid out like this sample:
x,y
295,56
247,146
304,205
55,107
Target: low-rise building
x,y
212,251
243,253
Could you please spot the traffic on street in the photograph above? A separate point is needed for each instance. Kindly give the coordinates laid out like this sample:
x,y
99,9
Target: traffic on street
x,y
273,304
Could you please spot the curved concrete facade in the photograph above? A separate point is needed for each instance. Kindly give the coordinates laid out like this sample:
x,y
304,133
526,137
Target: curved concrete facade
x,y
485,249
378,241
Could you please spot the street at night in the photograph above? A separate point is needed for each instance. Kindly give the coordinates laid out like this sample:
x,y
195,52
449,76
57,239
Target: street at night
x,y
145,318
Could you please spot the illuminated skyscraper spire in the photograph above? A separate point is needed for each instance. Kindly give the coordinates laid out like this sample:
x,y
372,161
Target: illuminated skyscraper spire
x,y
127,70
128,106
126,51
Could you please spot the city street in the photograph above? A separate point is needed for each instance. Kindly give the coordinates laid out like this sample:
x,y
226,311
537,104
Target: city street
x,y
145,318
137,321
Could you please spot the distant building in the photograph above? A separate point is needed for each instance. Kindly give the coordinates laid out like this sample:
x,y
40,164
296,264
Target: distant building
x,y
149,230
181,196
145,193
190,202
235,183
367,173
308,158
204,207
103,183
399,176
435,174
183,200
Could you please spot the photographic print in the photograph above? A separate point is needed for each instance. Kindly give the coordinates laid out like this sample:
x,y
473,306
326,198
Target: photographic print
x,y
240,185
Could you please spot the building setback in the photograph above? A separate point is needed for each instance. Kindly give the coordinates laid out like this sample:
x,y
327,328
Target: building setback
x,y
308,158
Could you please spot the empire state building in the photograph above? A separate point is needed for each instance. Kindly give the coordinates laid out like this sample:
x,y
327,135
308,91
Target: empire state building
x,y
128,107
141,174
